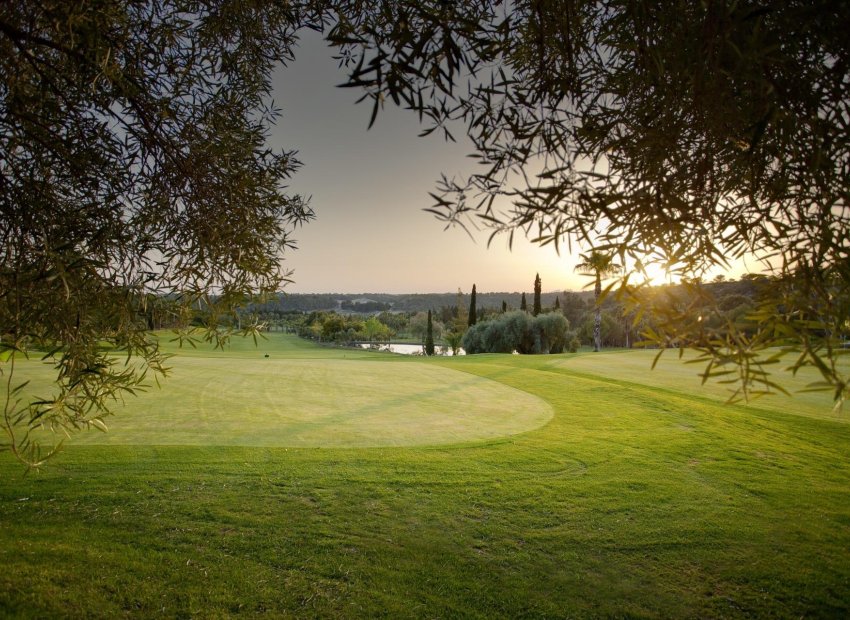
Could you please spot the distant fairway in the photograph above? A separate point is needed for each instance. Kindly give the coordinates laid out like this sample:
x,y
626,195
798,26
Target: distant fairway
x,y
312,397
673,375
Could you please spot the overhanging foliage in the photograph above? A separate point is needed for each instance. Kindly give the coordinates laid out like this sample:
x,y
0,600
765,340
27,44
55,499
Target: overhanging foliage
x,y
135,188
685,134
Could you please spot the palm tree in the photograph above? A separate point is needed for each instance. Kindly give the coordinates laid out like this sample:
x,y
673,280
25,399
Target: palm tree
x,y
454,340
601,266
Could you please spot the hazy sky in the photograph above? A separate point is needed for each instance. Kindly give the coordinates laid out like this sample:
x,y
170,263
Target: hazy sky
x,y
368,190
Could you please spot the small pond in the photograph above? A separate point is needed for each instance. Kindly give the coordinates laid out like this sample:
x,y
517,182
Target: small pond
x,y
407,349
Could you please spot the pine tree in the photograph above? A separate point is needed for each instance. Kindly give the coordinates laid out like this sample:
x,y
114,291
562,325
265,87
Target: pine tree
x,y
473,313
523,305
429,336
537,286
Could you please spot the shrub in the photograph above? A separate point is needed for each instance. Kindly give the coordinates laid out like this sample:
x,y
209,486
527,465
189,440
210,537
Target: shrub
x,y
473,339
550,333
514,333
517,331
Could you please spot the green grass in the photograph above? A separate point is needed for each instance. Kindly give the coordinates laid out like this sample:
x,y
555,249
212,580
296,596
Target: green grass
x,y
307,396
643,496
674,374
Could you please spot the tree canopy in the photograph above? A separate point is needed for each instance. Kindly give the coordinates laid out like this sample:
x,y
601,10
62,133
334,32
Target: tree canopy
x,y
518,332
681,134
135,183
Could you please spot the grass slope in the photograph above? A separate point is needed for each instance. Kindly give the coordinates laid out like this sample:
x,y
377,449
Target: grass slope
x,y
676,375
633,501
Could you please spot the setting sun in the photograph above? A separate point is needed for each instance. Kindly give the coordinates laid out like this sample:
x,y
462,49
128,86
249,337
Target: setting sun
x,y
653,273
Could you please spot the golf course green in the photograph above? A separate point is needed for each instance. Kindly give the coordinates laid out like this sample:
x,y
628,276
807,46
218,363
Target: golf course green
x,y
276,395
292,480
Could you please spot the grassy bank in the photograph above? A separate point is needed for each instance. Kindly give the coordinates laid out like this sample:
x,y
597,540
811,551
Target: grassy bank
x,y
642,496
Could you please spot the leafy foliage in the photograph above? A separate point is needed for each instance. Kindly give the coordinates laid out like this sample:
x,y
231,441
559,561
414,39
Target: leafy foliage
x,y
373,329
550,333
454,340
681,134
518,331
135,184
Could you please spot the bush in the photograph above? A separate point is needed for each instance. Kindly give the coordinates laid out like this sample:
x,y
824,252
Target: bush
x,y
473,339
517,331
550,333
512,332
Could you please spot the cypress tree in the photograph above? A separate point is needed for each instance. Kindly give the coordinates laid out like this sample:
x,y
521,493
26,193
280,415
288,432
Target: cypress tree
x,y
504,306
537,286
473,313
557,302
429,336
462,318
522,304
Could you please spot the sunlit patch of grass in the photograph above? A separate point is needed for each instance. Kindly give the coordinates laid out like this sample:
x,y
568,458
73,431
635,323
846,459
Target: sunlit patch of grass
x,y
682,375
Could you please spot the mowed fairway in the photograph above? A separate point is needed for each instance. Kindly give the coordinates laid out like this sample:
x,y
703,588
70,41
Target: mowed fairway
x,y
598,489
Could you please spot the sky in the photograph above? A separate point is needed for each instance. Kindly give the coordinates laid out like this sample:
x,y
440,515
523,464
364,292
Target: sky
x,y
369,189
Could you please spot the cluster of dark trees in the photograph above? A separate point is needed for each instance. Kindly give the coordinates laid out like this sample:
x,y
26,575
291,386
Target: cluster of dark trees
x,y
732,301
346,329
518,331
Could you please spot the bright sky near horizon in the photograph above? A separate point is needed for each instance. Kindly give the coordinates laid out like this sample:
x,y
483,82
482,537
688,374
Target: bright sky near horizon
x,y
369,189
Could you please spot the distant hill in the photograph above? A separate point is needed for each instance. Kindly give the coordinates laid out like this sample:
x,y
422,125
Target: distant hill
x,y
405,302
369,303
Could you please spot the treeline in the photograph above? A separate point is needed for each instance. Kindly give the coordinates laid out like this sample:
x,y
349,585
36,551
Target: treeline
x,y
712,303
364,306
534,323
468,322
370,303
